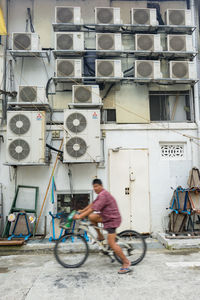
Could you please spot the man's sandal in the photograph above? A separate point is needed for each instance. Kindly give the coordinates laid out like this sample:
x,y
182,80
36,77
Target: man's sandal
x,y
124,271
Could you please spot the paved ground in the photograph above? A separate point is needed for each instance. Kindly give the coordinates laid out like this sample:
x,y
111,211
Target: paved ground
x,y
162,275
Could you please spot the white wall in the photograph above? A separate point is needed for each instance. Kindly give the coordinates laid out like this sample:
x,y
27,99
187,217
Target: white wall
x,y
163,174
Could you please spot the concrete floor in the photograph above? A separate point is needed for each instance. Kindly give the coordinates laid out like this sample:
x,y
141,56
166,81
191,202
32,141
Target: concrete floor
x,y
162,275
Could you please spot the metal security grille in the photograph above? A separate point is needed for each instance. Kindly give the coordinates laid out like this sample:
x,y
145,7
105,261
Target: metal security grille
x,y
172,151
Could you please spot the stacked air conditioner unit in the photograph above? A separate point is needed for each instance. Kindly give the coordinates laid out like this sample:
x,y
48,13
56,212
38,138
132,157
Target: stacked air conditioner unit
x,y
182,70
85,95
81,136
25,137
148,69
70,41
28,94
68,15
179,17
177,43
108,68
69,68
148,42
109,41
107,15
25,41
144,16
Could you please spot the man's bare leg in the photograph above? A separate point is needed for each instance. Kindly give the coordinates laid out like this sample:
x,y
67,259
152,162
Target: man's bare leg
x,y
116,248
95,219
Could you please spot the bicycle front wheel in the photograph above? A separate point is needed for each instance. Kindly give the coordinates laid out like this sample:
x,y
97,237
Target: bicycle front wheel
x,y
133,245
71,250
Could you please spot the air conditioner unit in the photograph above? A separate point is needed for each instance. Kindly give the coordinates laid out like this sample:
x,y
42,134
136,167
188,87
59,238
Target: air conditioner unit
x,y
86,94
69,68
147,69
81,136
30,94
179,17
107,15
68,14
109,41
182,70
25,41
70,41
108,68
25,137
179,43
144,16
148,42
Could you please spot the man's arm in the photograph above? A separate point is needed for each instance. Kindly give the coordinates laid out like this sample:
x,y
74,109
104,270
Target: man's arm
x,y
86,208
83,214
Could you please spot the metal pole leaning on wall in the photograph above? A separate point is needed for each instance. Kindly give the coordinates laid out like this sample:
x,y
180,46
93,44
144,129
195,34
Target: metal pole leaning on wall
x,y
47,190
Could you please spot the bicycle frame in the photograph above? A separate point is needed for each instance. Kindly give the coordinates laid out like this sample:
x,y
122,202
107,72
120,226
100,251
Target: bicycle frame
x,y
84,225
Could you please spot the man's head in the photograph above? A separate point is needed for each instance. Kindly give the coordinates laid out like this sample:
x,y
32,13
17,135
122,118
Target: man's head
x,y
97,185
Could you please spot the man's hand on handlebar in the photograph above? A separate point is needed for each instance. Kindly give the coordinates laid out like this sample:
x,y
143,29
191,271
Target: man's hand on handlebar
x,y
77,216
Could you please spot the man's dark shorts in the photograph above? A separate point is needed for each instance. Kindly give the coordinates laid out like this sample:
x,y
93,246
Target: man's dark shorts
x,y
110,230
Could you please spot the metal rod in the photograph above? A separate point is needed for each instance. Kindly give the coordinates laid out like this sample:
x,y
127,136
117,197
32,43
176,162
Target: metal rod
x,y
4,105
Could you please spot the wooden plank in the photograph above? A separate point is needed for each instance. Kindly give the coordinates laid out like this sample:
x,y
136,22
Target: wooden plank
x,y
11,243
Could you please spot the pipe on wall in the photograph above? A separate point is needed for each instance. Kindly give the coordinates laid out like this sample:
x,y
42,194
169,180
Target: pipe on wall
x,y
4,105
196,86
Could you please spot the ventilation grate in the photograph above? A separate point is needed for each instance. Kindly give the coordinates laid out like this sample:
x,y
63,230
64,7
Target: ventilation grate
x,y
172,151
82,94
105,15
141,16
19,124
76,147
64,41
105,68
76,122
22,41
106,42
65,68
28,94
19,149
65,15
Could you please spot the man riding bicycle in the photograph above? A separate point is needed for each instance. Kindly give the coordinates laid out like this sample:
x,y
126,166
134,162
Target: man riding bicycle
x,y
105,210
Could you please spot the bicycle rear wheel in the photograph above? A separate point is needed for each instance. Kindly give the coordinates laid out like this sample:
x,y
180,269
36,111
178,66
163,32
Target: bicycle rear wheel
x,y
133,246
71,250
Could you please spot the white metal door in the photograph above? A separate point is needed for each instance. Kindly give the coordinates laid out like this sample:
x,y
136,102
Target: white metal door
x,y
129,184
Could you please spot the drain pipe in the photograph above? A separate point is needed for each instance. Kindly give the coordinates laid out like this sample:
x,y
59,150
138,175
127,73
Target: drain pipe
x,y
196,86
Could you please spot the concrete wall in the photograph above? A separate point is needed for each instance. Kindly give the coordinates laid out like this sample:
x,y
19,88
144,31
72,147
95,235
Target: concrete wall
x,y
163,173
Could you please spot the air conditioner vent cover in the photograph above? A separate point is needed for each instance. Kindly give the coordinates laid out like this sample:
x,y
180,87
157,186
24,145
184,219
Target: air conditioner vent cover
x,y
106,41
105,68
145,42
83,94
105,15
65,14
76,147
180,69
22,41
177,17
65,41
28,94
19,124
65,68
141,16
177,43
19,149
145,69
76,122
